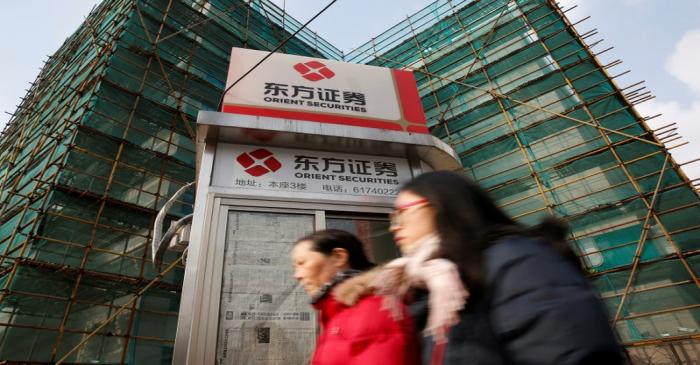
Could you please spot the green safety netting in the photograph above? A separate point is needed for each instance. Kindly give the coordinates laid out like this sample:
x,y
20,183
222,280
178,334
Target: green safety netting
x,y
537,151
103,139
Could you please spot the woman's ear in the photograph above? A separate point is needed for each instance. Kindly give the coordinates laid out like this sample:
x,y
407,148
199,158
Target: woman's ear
x,y
339,258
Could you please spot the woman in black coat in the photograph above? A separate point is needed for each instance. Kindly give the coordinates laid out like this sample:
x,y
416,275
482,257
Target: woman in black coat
x,y
485,290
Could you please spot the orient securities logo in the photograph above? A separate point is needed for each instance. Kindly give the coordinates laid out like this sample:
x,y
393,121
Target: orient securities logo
x,y
271,171
314,70
259,162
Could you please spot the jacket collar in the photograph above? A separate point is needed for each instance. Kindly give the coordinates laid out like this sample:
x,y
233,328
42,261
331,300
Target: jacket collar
x,y
337,279
328,307
325,302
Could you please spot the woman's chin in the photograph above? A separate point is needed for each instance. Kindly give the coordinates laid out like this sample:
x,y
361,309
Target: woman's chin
x,y
406,247
312,292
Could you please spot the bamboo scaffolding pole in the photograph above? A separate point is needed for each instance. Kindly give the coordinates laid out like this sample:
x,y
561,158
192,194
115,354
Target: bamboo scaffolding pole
x,y
613,186
649,288
559,115
477,55
630,243
154,48
112,180
633,180
566,181
521,145
456,32
640,246
668,158
121,309
418,49
662,311
276,32
536,107
191,26
543,121
633,110
100,210
662,340
447,46
632,221
160,174
554,167
92,65
76,331
618,203
516,40
671,257
538,123
41,296
92,274
594,192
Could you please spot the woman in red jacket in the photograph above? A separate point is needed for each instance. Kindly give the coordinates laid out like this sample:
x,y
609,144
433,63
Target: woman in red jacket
x,y
360,334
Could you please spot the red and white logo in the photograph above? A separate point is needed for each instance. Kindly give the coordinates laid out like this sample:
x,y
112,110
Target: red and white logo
x,y
258,162
314,70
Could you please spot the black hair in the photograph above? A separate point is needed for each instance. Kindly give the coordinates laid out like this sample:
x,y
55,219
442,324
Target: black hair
x,y
468,221
325,241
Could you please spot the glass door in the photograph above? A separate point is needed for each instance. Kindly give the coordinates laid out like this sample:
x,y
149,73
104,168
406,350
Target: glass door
x,y
371,229
264,315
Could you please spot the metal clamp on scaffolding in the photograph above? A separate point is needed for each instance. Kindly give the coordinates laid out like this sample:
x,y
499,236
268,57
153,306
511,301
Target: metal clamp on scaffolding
x,y
177,237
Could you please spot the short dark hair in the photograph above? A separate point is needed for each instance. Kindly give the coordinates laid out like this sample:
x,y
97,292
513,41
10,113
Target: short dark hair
x,y
325,241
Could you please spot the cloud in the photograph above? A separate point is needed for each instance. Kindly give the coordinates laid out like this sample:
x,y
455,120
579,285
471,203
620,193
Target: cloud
x,y
683,63
579,12
687,119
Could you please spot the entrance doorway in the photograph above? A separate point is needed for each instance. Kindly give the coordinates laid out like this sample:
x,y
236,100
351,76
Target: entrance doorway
x,y
264,316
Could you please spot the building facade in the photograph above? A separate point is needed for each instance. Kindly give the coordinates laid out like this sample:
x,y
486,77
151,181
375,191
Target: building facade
x,y
542,125
105,136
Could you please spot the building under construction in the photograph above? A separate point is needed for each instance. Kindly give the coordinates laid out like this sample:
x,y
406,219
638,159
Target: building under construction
x,y
106,135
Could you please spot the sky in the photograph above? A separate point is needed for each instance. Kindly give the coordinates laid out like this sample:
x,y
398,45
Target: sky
x,y
658,42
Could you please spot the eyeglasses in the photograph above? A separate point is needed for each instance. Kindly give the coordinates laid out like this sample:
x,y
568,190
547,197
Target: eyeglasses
x,y
395,215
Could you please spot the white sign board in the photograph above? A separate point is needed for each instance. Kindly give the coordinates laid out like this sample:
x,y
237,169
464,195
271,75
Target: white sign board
x,y
305,88
270,171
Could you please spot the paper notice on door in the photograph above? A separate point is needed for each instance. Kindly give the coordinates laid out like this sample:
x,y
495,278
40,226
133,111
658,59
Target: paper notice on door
x,y
265,316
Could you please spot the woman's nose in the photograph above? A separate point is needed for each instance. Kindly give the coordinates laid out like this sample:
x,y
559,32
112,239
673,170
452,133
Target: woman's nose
x,y
297,275
393,228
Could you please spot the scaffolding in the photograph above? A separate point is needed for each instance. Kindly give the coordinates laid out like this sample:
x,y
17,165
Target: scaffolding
x,y
538,121
105,136
101,141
